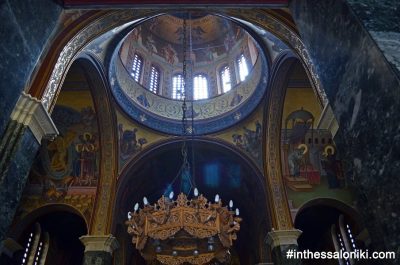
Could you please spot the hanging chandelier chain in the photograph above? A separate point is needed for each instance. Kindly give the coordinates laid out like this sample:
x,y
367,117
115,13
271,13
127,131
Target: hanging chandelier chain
x,y
184,73
159,231
184,92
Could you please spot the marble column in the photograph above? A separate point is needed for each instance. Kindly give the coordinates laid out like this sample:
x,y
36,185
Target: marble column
x,y
281,241
99,249
29,124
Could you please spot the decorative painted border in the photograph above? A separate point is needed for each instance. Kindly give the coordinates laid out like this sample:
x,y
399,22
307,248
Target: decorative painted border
x,y
78,42
111,20
265,21
103,210
273,121
126,92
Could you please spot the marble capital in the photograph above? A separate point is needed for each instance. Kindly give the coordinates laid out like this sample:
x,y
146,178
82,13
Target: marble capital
x,y
106,243
278,238
30,112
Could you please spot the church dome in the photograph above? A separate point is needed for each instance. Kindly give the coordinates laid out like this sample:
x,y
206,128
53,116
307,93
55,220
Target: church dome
x,y
225,72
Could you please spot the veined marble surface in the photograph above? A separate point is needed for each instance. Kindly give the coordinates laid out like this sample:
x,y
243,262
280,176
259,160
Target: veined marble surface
x,y
382,20
364,92
26,27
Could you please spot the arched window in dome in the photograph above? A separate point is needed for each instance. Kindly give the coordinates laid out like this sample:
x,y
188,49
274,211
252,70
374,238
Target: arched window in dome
x,y
243,68
225,75
200,87
154,79
177,86
137,66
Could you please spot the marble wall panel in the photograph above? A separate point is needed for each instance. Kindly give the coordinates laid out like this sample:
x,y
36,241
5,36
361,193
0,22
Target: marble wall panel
x,y
365,96
382,20
14,182
26,26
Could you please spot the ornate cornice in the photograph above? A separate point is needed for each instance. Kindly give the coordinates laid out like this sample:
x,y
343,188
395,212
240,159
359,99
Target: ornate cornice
x,y
30,112
328,121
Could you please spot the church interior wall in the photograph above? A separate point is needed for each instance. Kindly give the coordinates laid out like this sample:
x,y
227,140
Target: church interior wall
x,y
66,170
22,46
351,77
311,181
364,94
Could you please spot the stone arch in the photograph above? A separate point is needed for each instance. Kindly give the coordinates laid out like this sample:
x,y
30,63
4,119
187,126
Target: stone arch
x,y
88,29
56,231
273,109
48,88
333,203
94,72
29,219
322,219
132,176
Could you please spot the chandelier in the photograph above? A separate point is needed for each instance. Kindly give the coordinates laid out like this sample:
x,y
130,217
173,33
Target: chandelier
x,y
182,230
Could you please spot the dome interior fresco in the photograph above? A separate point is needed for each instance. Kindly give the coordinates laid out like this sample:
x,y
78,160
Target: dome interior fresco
x,y
208,29
220,52
212,42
